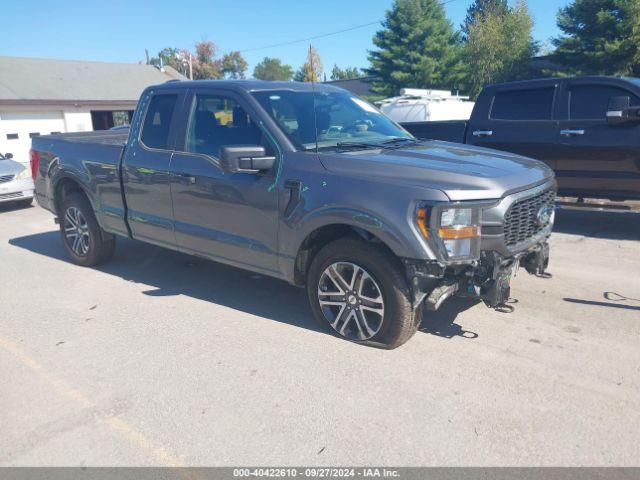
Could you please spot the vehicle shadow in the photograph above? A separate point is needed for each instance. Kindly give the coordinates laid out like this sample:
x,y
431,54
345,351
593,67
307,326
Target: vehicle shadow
x,y
598,224
441,323
13,206
172,273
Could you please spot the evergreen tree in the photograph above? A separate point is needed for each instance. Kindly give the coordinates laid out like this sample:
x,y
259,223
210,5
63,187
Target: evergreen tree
x,y
499,47
601,37
272,69
478,10
417,47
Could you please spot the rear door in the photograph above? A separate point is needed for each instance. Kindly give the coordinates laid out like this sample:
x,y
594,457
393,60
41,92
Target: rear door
x,y
595,158
146,169
518,119
230,217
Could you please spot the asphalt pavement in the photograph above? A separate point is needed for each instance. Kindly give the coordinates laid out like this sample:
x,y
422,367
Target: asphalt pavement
x,y
158,358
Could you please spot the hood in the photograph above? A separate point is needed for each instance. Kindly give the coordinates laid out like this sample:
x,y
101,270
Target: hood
x,y
462,172
10,167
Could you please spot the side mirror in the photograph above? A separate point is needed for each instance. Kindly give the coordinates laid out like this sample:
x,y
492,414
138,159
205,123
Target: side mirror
x,y
247,159
619,112
8,156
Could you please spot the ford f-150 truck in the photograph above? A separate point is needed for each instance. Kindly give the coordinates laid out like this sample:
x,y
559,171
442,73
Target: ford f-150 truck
x,y
586,129
306,183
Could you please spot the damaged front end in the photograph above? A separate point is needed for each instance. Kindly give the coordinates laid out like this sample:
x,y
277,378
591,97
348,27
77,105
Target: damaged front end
x,y
489,279
511,233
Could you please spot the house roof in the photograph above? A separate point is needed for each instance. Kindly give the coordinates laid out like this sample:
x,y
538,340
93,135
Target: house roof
x,y
38,80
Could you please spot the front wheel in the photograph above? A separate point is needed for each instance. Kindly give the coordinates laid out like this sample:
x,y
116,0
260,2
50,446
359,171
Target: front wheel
x,y
85,242
360,291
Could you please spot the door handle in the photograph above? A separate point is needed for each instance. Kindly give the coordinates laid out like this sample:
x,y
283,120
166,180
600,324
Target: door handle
x,y
482,133
187,177
571,133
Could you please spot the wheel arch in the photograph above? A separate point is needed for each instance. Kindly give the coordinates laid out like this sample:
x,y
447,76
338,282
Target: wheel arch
x,y
322,236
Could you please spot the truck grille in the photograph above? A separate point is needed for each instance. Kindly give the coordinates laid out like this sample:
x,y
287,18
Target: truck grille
x,y
6,178
521,221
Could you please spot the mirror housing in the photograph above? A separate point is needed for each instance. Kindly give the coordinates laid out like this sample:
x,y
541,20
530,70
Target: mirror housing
x,y
245,158
619,112
8,156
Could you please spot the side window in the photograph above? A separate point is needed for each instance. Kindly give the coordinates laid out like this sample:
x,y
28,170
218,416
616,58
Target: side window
x,y
533,104
155,130
590,102
217,121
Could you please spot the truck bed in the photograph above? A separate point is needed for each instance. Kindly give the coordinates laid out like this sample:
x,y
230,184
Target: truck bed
x,y
93,157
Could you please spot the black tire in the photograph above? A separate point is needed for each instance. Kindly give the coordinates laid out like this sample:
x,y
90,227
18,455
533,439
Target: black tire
x,y
399,321
100,245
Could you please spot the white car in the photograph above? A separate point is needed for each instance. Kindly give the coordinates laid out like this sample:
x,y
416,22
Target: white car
x,y
16,184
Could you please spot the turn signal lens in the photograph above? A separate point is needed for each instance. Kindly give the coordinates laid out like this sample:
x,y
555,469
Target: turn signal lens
x,y
422,219
455,233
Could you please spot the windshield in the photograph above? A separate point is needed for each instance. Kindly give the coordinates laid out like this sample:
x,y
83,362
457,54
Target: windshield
x,y
341,119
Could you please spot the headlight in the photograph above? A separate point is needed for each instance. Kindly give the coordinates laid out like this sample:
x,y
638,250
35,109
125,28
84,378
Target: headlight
x,y
23,174
455,231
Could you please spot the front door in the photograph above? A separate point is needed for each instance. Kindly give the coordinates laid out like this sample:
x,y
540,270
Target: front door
x,y
597,159
230,217
520,121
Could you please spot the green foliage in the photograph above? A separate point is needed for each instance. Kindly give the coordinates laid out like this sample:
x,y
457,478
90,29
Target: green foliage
x,y
478,11
601,37
233,65
417,47
350,72
272,69
499,47
204,63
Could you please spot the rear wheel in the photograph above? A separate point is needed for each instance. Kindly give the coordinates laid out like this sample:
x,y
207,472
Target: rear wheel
x,y
360,291
86,243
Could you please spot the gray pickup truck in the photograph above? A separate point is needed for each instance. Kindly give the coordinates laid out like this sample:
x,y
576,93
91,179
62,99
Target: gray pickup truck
x,y
309,184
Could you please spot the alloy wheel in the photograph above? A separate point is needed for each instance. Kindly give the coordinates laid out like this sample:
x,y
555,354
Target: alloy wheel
x,y
76,231
351,300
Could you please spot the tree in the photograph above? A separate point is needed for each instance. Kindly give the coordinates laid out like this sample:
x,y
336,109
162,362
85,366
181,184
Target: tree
x,y
499,47
205,65
417,47
350,72
601,37
172,57
478,11
233,65
311,70
272,69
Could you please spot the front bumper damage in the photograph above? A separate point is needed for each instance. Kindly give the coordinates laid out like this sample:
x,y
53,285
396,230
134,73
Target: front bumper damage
x,y
487,279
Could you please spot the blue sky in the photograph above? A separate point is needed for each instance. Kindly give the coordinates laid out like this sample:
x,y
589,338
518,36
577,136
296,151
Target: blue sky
x,y
120,30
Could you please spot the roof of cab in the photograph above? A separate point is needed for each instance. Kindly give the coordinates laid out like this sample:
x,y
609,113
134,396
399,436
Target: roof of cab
x,y
251,85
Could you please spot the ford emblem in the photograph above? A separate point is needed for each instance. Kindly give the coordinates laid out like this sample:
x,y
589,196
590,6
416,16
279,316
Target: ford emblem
x,y
543,217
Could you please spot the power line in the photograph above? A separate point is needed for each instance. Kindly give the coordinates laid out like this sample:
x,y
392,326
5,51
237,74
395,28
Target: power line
x,y
311,38
323,35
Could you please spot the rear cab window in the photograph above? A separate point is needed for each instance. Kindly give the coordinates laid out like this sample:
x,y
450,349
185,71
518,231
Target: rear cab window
x,y
524,104
157,121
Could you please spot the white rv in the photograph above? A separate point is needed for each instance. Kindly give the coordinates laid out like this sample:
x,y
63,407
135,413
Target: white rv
x,y
420,105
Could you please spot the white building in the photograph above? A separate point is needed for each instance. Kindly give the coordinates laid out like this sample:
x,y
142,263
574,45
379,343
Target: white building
x,y
43,97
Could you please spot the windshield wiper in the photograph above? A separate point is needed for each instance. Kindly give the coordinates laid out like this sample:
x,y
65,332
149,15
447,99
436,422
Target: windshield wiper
x,y
357,145
396,140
